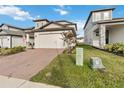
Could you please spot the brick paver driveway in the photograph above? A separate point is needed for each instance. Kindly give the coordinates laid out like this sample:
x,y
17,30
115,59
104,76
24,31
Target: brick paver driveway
x,y
26,64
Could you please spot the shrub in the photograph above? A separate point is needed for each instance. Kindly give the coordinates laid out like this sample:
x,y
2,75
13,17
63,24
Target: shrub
x,y
18,49
117,48
108,47
8,51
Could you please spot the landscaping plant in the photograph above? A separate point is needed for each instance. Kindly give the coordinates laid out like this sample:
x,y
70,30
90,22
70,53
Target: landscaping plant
x,y
116,48
8,51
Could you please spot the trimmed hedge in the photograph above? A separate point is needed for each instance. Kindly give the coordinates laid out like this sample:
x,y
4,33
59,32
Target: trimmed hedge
x,y
116,48
8,51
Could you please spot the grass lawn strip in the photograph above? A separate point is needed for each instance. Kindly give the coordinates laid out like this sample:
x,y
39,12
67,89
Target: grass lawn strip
x,y
63,72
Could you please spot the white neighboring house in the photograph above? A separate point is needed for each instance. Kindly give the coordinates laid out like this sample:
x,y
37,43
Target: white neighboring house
x,y
101,29
50,34
11,36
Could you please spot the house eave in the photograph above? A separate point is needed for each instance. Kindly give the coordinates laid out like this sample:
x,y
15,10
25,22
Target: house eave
x,y
111,21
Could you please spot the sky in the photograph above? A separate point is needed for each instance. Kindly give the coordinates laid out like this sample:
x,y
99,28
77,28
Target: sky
x,y
22,15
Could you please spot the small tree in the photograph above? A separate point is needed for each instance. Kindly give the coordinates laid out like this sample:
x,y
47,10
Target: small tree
x,y
69,38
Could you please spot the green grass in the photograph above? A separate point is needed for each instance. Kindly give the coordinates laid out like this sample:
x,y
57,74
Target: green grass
x,y
63,72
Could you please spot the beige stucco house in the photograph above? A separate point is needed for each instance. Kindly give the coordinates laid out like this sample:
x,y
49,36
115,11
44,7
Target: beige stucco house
x,y
50,34
45,34
11,36
101,29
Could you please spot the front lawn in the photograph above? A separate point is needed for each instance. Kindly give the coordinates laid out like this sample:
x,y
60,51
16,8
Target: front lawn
x,y
63,72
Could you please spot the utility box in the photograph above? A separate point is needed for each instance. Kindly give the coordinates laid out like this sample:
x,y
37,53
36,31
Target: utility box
x,y
96,63
79,56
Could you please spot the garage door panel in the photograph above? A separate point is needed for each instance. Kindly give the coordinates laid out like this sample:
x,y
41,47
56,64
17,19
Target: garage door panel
x,y
49,41
5,41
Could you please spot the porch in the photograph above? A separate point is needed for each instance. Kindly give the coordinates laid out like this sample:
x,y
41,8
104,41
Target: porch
x,y
108,33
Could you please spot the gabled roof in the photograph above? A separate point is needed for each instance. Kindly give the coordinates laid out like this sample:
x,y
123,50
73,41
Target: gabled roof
x,y
51,23
57,29
96,11
62,27
11,26
16,27
68,22
17,33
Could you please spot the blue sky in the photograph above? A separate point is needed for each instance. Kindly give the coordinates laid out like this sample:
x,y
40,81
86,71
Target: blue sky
x,y
23,15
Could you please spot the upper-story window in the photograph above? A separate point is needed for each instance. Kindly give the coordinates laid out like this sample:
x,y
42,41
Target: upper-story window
x,y
106,15
103,15
37,24
97,16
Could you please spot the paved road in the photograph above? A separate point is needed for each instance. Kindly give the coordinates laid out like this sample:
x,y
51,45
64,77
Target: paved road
x,y
26,64
6,82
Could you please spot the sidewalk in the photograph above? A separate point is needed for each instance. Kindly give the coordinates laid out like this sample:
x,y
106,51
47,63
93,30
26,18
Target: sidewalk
x,y
8,82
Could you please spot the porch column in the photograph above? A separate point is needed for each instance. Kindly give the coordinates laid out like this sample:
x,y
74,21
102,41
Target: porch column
x,y
102,36
27,37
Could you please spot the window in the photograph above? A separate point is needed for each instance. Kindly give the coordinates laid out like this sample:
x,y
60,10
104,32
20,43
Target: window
x,y
97,16
97,33
106,15
42,24
37,24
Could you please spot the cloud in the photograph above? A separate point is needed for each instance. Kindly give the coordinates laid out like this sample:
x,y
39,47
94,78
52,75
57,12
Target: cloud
x,y
61,10
37,17
61,6
15,12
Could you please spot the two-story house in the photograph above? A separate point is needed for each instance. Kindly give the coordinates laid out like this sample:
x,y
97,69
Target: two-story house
x,y
50,34
101,29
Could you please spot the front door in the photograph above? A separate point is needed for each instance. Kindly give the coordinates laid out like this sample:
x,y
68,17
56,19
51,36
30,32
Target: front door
x,y
107,36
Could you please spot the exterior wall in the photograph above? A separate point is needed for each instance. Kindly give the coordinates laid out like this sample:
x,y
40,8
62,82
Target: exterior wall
x,y
53,26
49,40
95,40
102,36
116,34
88,32
18,41
40,24
5,41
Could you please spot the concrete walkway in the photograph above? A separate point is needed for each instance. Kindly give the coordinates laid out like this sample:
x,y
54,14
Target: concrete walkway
x,y
9,82
24,65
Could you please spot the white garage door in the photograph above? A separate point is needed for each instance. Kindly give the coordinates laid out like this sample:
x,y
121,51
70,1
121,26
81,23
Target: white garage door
x,y
49,40
5,41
